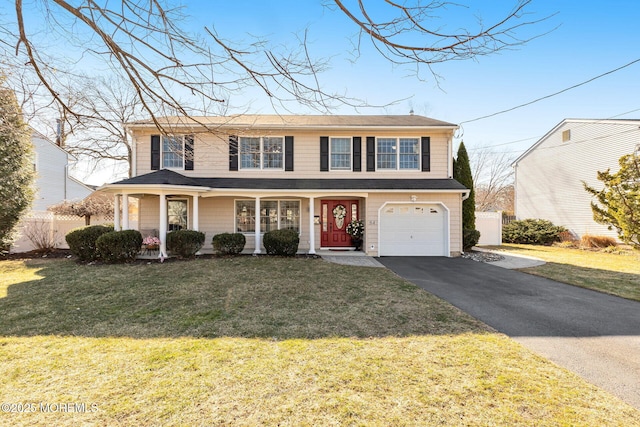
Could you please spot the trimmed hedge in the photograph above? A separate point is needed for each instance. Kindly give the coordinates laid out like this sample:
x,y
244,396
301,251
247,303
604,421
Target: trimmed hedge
x,y
470,238
532,232
185,243
82,241
281,242
119,246
229,243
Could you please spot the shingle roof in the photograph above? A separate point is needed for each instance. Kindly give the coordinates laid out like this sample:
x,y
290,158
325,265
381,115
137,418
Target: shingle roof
x,y
168,177
300,121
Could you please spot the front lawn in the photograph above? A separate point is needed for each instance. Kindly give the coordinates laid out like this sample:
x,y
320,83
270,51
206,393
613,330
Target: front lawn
x,y
264,341
617,274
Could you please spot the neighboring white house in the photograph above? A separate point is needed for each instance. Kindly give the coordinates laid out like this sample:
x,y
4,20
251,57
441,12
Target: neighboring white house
x,y
53,182
549,176
53,185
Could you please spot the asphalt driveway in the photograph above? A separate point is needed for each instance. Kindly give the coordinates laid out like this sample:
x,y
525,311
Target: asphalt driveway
x,y
593,334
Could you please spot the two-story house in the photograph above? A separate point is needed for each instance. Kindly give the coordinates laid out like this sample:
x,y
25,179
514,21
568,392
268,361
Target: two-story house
x,y
313,174
549,176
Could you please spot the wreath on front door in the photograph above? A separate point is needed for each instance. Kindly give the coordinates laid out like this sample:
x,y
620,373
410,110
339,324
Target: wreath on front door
x,y
339,213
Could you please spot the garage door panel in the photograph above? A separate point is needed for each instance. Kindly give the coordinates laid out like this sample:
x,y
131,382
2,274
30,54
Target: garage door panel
x,y
413,230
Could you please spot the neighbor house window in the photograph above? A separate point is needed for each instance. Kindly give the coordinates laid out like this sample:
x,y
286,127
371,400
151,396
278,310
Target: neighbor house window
x,y
398,153
261,153
340,152
177,215
173,152
274,215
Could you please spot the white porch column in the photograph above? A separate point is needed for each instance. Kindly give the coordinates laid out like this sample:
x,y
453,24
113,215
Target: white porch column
x,y
257,223
163,226
196,216
116,212
125,211
312,231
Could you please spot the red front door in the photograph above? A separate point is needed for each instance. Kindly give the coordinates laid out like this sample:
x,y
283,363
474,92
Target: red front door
x,y
335,216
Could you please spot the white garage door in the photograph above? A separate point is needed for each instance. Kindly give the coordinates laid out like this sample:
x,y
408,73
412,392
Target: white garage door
x,y
413,229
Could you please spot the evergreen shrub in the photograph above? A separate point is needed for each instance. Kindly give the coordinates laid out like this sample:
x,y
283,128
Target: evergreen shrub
x,y
281,242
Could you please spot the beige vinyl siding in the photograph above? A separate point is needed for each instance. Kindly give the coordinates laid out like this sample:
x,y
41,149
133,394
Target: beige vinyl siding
x,y
549,178
211,156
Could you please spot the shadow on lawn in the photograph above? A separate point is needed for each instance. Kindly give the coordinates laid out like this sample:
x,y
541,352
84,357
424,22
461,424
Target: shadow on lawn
x,y
254,298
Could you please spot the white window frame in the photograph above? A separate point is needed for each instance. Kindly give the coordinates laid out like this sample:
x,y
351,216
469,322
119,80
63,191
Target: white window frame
x,y
261,152
397,154
177,199
350,168
257,217
163,152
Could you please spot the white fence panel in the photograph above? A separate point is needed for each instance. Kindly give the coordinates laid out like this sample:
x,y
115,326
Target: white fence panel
x,y
46,227
490,226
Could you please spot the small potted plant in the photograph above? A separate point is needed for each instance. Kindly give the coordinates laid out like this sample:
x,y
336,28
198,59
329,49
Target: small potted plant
x,y
151,243
355,229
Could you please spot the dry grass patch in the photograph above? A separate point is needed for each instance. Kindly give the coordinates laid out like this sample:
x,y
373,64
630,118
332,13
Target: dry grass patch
x,y
613,273
260,341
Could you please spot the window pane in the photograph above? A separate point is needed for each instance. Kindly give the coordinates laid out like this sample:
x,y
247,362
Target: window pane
x,y
245,216
387,152
268,216
290,215
172,152
409,152
250,153
272,153
340,153
177,214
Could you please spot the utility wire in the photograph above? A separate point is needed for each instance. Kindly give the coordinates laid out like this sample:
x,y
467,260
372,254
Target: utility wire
x,y
553,94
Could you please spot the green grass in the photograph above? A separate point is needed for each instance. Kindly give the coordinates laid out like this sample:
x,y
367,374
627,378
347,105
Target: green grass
x,y
616,274
266,341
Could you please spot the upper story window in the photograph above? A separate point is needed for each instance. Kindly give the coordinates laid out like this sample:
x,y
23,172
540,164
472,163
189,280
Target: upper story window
x,y
261,153
172,152
398,153
340,153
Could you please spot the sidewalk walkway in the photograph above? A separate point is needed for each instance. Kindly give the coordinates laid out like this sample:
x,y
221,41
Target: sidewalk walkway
x,y
512,261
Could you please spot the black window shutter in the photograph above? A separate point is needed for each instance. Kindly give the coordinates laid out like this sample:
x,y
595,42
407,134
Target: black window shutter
x,y
188,152
233,153
371,154
324,153
426,154
288,153
155,152
357,154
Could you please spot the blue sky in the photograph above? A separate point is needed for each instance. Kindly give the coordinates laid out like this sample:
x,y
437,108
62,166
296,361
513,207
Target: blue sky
x,y
591,38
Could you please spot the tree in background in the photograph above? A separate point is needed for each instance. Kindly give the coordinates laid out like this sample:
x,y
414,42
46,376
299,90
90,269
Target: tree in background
x,y
618,203
175,69
16,165
493,178
462,174
92,205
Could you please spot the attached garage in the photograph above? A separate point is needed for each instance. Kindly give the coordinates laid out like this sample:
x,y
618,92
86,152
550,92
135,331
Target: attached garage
x,y
414,229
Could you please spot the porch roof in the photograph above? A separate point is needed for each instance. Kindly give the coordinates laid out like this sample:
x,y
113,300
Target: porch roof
x,y
172,178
